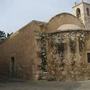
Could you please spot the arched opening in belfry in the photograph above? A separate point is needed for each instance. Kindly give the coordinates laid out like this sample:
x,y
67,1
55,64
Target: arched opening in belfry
x,y
88,13
78,12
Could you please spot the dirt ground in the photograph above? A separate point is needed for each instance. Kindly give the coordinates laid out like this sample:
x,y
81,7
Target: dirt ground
x,y
44,85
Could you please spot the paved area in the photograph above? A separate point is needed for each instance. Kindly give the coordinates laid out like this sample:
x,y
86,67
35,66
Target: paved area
x,y
44,85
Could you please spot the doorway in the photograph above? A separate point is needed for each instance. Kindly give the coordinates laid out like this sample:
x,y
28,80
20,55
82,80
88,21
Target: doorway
x,y
12,67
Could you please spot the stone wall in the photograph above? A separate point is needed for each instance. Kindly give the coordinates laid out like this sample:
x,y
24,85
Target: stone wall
x,y
22,47
66,58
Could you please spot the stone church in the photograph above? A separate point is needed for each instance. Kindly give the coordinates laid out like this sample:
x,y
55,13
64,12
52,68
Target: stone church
x,y
55,50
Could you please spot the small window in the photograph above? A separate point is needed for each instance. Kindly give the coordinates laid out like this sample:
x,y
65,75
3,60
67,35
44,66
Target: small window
x,y
88,13
12,60
78,12
88,57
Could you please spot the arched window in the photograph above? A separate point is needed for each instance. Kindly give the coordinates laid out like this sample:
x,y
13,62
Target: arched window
x,y
88,13
78,12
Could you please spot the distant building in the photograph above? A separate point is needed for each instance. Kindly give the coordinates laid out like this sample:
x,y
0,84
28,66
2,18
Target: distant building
x,y
54,50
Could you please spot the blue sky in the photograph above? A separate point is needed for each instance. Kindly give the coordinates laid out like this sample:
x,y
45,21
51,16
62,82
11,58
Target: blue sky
x,y
14,14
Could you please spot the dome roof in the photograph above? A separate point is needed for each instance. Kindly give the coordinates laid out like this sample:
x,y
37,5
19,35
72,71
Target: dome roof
x,y
64,21
66,27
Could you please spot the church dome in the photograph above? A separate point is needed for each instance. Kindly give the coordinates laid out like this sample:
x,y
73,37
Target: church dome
x,y
64,21
66,27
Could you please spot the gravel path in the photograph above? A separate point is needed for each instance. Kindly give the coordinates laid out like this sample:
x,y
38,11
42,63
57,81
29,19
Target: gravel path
x,y
44,85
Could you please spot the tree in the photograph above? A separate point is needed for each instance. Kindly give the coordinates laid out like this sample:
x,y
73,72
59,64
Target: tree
x,y
2,36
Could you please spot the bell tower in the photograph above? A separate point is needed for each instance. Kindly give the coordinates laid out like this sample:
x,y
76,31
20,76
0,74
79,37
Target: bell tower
x,y
82,12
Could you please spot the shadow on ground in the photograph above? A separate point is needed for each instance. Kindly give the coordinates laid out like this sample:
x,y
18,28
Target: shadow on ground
x,y
71,86
39,85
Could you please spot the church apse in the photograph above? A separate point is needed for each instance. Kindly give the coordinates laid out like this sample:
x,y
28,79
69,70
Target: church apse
x,y
62,55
